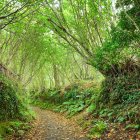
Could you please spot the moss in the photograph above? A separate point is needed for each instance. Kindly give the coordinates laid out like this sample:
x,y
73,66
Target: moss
x,y
13,127
8,99
3,127
13,110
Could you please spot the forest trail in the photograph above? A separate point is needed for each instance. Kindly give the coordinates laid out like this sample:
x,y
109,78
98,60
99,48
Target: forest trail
x,y
53,126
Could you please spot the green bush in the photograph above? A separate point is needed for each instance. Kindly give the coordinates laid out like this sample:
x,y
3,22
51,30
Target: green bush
x,y
123,89
17,128
120,98
13,110
72,101
9,100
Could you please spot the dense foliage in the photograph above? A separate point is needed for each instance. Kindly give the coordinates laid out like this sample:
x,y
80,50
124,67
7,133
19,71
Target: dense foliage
x,y
9,101
47,45
14,113
72,100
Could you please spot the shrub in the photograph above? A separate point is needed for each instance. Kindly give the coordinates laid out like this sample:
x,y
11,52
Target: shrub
x,y
97,129
12,104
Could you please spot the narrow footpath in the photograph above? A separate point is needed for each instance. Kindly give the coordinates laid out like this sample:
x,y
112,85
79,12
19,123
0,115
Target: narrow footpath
x,y
53,126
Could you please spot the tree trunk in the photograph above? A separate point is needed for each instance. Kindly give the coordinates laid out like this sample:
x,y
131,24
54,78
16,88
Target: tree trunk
x,y
56,76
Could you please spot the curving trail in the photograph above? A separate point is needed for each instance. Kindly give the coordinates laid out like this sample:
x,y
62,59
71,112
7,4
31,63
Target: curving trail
x,y
53,126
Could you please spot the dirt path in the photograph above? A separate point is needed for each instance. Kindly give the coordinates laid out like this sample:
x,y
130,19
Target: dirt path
x,y
53,126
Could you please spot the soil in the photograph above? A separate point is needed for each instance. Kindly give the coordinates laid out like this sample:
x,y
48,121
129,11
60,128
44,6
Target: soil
x,y
53,126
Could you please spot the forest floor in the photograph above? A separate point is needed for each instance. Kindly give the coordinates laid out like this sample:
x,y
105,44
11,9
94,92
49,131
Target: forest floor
x,y
53,126
50,125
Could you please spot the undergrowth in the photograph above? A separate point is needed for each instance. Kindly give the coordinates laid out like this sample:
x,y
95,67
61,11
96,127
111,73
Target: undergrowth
x,y
14,113
71,101
120,99
117,101
16,128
